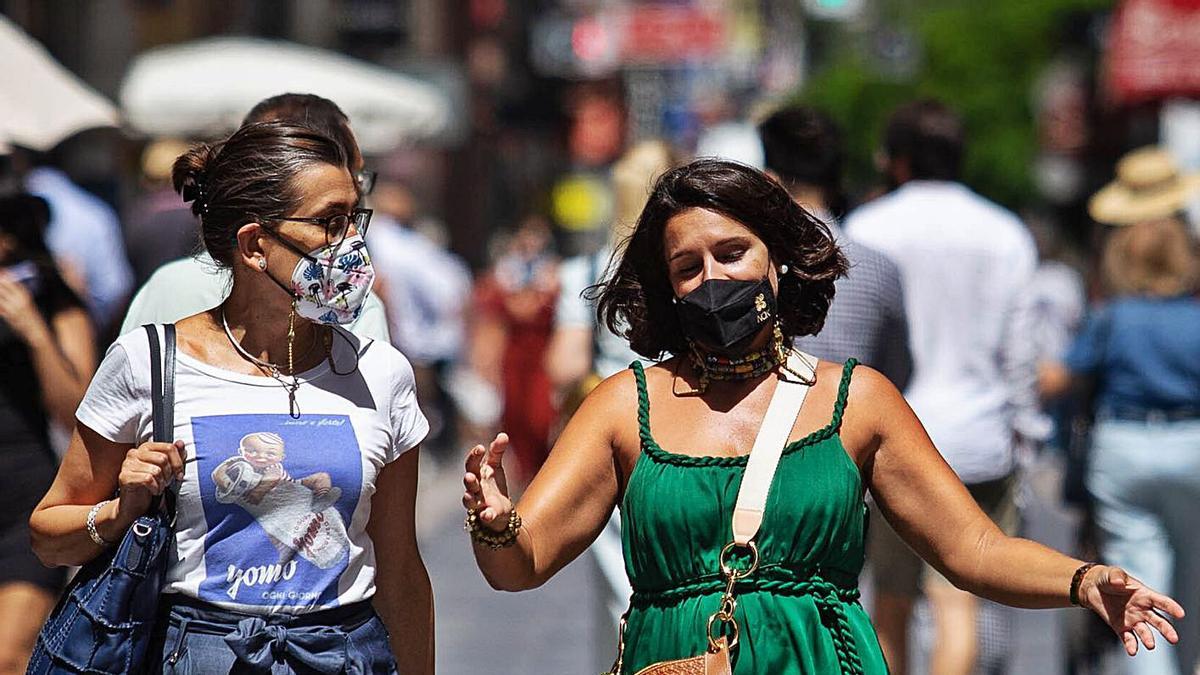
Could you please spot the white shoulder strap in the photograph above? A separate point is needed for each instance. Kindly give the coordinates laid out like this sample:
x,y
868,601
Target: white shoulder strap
x,y
768,446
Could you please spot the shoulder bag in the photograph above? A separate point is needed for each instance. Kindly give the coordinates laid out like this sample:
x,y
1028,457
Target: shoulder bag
x,y
103,622
722,628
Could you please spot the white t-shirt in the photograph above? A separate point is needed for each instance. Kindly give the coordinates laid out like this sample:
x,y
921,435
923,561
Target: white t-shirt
x,y
965,266
272,511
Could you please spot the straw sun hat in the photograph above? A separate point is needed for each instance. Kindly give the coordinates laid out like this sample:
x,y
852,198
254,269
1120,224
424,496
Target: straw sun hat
x,y
1148,186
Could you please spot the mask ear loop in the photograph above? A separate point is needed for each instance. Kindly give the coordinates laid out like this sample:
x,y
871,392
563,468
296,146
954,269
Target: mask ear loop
x,y
332,365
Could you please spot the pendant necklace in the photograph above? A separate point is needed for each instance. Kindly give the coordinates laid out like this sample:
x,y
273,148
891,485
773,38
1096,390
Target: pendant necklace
x,y
272,369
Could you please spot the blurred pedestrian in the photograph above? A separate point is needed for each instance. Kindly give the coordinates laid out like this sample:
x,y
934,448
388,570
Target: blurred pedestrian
x,y
426,290
805,152
724,270
195,283
159,227
86,239
1141,348
512,321
1059,301
866,320
583,352
966,265
47,355
294,544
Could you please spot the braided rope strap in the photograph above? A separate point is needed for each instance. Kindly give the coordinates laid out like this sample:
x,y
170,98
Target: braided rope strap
x,y
833,615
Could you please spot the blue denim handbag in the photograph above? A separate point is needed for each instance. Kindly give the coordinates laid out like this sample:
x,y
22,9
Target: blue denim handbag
x,y
102,623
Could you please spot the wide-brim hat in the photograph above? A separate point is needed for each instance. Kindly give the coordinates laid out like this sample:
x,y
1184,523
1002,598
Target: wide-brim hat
x,y
1149,186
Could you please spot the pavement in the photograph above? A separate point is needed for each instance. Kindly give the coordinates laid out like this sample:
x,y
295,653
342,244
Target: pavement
x,y
551,630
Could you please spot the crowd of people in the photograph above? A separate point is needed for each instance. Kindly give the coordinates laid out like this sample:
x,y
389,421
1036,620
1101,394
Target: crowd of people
x,y
325,339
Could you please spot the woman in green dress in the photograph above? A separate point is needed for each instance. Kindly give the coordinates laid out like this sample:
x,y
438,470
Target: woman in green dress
x,y
722,271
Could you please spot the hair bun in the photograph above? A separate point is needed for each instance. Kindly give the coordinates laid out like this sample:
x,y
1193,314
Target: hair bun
x,y
189,173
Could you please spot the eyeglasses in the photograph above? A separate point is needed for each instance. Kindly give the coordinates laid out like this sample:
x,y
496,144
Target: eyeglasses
x,y
366,181
337,228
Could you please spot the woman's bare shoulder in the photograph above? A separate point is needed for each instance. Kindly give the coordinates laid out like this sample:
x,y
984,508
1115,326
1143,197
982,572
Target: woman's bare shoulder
x,y
871,387
618,389
873,404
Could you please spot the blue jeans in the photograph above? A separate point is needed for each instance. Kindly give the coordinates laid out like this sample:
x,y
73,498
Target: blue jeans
x,y
1145,479
193,638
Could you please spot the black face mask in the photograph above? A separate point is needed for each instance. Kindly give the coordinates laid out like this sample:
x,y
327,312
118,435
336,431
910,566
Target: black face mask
x,y
722,315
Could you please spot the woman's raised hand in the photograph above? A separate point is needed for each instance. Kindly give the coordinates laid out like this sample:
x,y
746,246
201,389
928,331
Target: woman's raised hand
x,y
1133,610
486,486
18,310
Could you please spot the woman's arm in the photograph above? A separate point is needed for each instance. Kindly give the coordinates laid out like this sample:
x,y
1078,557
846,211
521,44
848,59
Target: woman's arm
x,y
65,363
569,500
403,594
568,356
62,351
1054,380
90,472
929,507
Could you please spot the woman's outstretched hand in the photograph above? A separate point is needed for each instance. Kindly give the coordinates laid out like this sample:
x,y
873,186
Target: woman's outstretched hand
x,y
486,486
1133,610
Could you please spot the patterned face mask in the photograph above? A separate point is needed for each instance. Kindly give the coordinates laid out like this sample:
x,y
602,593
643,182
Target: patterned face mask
x,y
331,285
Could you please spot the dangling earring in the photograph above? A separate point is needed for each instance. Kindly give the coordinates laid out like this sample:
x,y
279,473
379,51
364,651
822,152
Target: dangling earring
x,y
780,350
293,408
783,269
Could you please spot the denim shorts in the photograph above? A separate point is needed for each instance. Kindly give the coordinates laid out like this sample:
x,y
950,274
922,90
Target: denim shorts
x,y
193,637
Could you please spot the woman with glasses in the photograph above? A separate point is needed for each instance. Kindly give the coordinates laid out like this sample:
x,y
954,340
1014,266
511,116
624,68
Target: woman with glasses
x,y
295,453
187,285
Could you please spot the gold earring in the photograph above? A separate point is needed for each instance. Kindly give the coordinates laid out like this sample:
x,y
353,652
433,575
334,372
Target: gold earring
x,y
780,350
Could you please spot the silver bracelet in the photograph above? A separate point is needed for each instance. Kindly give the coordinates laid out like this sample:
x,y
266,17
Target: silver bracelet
x,y
91,525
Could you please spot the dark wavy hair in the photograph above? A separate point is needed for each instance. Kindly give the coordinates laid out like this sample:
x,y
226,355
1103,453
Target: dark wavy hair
x,y
635,300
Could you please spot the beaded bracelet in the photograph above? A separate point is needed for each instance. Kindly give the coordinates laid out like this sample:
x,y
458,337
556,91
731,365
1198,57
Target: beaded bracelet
x,y
91,525
493,540
1077,581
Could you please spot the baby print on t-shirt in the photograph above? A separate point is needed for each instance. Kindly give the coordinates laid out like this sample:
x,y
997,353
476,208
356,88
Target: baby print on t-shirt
x,y
295,514
277,494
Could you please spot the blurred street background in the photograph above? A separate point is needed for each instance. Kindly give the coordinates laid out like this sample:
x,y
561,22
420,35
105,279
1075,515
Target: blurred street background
x,y
499,130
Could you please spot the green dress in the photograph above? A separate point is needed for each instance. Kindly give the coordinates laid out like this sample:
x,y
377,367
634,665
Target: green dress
x,y
799,612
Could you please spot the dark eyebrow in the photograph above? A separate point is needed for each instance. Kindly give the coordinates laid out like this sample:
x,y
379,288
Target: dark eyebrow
x,y
736,239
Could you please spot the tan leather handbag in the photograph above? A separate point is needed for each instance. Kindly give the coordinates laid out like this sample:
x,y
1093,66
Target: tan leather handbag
x,y
747,519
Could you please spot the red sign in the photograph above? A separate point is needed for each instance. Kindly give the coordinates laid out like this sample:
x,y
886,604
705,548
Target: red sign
x,y
671,33
650,34
1154,50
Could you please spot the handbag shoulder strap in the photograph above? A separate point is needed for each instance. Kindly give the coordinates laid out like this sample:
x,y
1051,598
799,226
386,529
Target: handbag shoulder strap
x,y
769,445
162,397
162,381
